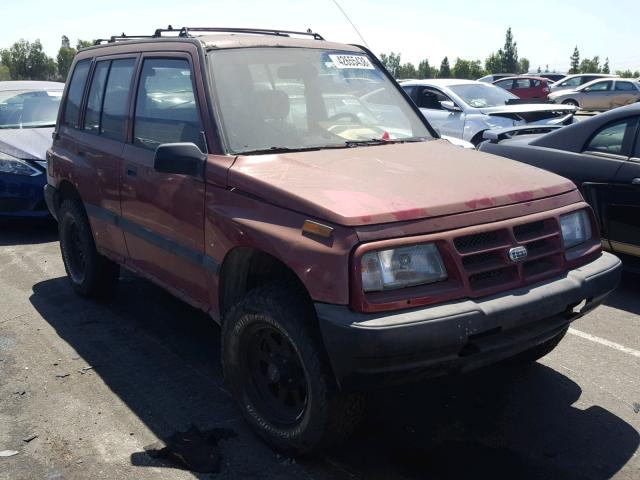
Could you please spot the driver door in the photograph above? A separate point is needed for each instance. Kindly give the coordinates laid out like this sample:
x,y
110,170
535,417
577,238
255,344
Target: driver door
x,y
598,96
444,121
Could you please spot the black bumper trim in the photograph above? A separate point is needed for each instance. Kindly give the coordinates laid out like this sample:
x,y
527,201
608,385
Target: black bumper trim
x,y
392,347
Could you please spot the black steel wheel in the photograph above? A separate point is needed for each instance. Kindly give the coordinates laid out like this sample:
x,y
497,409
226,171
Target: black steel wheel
x,y
276,366
90,274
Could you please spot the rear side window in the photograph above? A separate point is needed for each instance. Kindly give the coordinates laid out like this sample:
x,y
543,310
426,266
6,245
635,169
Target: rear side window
x,y
116,98
96,95
625,87
610,139
166,110
74,96
522,83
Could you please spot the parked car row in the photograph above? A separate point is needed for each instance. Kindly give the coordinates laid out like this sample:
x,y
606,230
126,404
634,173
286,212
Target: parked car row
x,y
292,190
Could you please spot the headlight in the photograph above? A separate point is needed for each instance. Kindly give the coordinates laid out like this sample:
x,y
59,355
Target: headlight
x,y
9,164
576,228
402,267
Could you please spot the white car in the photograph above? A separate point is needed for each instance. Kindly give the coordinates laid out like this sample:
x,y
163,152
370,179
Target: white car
x,y
466,109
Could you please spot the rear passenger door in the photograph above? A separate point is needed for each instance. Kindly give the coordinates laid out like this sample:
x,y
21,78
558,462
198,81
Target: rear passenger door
x,y
163,214
624,93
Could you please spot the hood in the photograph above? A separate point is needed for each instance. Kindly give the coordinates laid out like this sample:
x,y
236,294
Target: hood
x,y
26,143
527,108
391,183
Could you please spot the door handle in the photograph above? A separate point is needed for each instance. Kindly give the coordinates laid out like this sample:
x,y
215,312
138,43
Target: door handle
x,y
635,181
132,171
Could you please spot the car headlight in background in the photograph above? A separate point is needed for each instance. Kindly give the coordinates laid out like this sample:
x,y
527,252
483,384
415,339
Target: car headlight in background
x,y
576,228
402,267
10,164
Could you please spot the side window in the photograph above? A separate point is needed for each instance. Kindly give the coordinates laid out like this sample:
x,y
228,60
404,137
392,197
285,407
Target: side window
x,y
506,84
76,90
522,83
599,87
96,94
536,83
572,82
116,97
610,139
166,110
625,87
431,99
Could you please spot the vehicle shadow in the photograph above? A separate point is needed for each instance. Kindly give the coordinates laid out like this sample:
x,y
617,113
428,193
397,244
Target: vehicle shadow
x,y
27,231
625,297
161,358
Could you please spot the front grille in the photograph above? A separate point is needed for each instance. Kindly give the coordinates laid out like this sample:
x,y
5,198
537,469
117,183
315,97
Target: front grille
x,y
485,260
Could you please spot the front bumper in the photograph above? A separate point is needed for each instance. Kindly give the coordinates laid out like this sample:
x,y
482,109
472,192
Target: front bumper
x,y
379,349
21,196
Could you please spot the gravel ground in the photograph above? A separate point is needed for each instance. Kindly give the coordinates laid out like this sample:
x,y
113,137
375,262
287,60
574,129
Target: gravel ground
x,y
96,383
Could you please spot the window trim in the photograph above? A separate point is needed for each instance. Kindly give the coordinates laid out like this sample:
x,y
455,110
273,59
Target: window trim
x,y
627,142
90,78
436,89
133,100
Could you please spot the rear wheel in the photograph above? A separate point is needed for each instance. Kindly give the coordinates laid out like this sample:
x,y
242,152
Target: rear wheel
x,y
536,353
274,362
571,102
90,274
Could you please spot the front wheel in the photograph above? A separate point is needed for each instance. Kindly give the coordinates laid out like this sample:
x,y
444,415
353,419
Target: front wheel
x,y
274,362
572,103
90,274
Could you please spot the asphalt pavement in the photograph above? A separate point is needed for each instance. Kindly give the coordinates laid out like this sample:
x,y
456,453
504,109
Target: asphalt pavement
x,y
85,386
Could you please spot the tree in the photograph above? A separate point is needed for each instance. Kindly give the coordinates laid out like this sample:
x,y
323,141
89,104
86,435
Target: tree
x,y
523,65
546,69
65,57
424,69
83,44
539,69
27,61
575,61
476,70
461,69
391,62
509,54
408,70
493,63
605,68
590,65
4,73
445,70
628,73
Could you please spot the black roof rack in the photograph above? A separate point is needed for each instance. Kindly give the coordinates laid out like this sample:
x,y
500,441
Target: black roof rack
x,y
187,32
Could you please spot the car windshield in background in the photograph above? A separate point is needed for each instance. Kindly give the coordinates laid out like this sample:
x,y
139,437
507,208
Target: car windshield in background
x,y
29,108
303,98
479,95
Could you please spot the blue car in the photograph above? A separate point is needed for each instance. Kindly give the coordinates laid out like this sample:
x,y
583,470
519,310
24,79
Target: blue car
x,y
28,113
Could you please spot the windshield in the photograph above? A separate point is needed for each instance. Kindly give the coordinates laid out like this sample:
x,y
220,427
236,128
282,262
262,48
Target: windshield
x,y
479,95
29,108
303,98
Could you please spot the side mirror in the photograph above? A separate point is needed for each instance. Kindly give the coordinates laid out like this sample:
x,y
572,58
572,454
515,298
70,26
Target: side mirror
x,y
449,105
180,158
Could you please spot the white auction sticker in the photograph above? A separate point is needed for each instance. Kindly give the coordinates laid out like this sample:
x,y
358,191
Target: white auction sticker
x,y
351,61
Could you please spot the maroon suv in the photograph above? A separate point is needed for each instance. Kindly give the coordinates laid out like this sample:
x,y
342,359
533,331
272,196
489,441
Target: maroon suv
x,y
288,187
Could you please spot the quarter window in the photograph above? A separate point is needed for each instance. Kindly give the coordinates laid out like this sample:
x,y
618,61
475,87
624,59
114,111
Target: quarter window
x,y
74,96
610,139
166,109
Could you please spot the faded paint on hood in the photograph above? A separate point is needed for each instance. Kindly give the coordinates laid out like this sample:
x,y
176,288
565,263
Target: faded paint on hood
x,y
26,143
389,183
528,107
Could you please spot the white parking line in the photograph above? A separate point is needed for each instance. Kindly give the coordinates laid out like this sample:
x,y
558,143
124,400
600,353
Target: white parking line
x,y
604,342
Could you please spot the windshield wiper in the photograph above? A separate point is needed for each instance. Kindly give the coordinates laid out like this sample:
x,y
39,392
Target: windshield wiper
x,y
379,141
278,150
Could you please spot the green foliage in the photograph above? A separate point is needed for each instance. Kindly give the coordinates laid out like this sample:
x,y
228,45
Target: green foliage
x,y
523,65
590,65
406,71
539,69
27,61
391,62
424,70
4,73
445,69
467,69
509,54
628,73
606,68
575,61
493,63
86,43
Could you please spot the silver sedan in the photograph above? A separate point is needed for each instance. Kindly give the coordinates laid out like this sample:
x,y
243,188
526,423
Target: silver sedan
x,y
600,95
465,109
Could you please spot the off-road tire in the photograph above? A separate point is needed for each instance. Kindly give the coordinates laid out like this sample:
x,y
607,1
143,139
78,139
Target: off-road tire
x,y
90,274
329,416
536,353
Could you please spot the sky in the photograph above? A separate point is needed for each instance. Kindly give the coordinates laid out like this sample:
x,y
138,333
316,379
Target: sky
x,y
546,31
